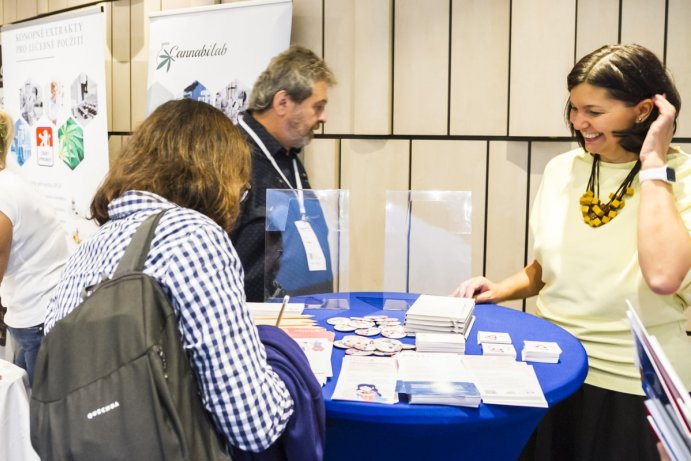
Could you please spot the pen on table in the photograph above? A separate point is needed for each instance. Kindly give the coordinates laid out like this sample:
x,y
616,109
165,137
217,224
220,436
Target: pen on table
x,y
283,307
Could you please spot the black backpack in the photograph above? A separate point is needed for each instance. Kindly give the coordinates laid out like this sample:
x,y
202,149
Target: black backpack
x,y
112,381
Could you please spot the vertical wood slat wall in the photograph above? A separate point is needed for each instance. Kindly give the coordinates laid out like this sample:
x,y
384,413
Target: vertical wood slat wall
x,y
432,94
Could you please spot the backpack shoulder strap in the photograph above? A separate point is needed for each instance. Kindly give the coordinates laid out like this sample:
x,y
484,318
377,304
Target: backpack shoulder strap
x,y
138,248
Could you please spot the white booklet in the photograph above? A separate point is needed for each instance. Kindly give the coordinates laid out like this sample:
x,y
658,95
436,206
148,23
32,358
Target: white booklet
x,y
367,379
318,352
503,381
272,309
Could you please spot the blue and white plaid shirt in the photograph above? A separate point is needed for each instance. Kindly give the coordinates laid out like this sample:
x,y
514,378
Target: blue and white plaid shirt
x,y
194,261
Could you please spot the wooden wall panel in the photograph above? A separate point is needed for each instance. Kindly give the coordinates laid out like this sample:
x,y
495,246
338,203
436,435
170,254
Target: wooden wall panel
x,y
368,169
506,210
121,48
455,166
307,25
540,154
73,3
108,10
678,62
139,52
179,4
479,67
597,24
357,47
643,22
26,9
323,163
421,67
542,48
114,147
57,5
42,6
9,11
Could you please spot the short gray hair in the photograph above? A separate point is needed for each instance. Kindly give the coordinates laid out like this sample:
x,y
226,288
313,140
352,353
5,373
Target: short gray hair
x,y
294,71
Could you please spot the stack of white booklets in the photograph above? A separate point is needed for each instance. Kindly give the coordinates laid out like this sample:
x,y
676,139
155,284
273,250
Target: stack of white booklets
x,y
440,342
667,399
541,351
440,314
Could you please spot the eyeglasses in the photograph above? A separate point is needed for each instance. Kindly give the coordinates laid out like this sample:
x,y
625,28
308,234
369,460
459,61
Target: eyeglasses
x,y
245,192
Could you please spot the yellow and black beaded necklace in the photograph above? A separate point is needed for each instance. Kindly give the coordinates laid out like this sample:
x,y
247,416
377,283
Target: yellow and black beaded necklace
x,y
597,213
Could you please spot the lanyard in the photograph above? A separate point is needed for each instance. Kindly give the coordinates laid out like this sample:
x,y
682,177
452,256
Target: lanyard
x,y
298,182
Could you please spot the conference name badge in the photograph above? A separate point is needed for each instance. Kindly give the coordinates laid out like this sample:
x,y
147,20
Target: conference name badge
x,y
315,256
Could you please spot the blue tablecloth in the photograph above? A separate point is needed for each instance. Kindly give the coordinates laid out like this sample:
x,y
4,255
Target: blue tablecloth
x,y
363,431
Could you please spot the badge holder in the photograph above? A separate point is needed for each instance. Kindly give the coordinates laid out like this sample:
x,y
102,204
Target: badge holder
x,y
307,246
428,242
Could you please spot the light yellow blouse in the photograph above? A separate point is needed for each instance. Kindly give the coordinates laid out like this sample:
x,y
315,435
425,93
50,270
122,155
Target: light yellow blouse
x,y
590,272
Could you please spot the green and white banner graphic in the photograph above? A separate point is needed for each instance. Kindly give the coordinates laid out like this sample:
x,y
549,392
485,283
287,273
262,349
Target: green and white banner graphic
x,y
214,54
55,91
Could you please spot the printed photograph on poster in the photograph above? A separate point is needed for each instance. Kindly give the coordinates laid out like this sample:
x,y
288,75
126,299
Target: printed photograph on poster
x,y
31,102
232,99
55,104
84,98
21,144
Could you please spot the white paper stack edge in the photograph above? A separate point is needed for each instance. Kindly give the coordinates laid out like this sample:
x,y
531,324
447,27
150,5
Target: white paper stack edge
x,y
440,342
440,314
499,349
540,351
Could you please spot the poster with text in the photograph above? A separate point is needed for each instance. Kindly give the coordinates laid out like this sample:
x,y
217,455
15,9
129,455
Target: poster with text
x,y
55,90
214,54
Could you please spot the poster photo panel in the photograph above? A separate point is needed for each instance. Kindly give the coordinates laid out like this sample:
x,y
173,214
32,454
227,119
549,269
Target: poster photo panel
x,y
214,54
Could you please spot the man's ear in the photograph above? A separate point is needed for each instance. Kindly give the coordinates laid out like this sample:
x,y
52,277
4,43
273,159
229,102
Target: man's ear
x,y
281,102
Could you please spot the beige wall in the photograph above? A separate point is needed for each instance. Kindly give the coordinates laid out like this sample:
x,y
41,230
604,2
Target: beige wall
x,y
447,94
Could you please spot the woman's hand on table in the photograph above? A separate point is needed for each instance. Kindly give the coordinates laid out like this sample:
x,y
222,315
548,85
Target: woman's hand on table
x,y
480,288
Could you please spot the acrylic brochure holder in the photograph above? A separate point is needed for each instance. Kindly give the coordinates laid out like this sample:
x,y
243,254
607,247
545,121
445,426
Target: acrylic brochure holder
x,y
307,245
427,245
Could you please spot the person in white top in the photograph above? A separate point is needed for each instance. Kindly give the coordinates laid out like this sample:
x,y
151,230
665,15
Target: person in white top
x,y
33,251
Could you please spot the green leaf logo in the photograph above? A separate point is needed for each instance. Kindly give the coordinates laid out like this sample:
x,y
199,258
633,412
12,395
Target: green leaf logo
x,y
165,59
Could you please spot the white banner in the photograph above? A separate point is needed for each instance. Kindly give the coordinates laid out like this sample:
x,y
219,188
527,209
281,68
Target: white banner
x,y
214,54
55,90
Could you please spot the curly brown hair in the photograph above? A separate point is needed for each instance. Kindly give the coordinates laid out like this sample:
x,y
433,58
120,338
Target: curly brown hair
x,y
189,153
6,135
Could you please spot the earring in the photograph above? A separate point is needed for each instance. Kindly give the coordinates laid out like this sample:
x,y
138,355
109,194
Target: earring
x,y
639,120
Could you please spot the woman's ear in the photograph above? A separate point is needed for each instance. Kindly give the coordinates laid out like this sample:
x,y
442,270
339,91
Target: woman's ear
x,y
644,109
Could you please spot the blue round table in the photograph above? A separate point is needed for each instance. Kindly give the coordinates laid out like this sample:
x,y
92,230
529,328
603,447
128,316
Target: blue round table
x,y
364,431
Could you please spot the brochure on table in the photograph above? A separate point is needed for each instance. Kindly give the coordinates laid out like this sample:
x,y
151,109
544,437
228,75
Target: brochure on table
x,y
367,379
